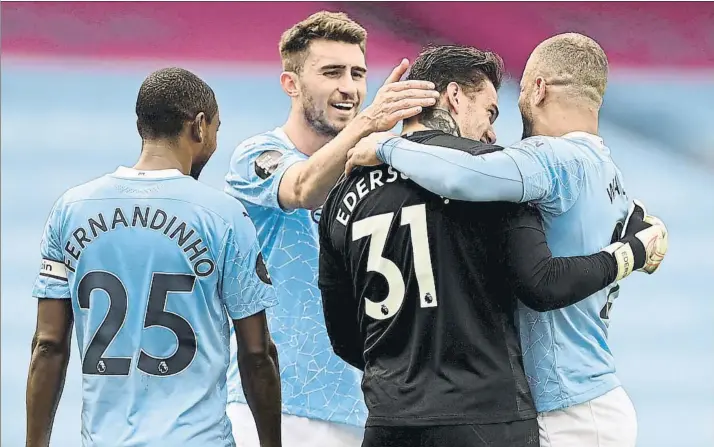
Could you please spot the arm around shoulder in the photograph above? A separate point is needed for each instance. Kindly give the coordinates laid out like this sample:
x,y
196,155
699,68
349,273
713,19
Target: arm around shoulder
x,y
541,281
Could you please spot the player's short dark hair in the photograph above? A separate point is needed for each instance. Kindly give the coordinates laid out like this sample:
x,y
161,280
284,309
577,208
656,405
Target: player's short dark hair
x,y
170,97
467,66
332,26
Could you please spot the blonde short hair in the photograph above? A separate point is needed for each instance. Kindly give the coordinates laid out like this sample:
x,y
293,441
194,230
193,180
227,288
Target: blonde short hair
x,y
575,62
333,26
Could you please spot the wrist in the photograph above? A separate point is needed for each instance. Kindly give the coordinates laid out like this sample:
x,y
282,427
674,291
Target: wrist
x,y
622,253
363,125
384,149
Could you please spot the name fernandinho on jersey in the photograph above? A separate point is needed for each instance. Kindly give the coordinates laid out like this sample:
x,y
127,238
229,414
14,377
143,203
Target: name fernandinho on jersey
x,y
373,180
143,217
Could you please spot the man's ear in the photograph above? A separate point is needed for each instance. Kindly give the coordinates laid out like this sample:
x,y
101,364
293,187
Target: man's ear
x,y
453,97
198,127
539,92
290,82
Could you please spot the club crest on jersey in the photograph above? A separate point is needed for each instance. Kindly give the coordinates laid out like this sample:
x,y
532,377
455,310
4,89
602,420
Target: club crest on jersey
x,y
261,270
316,214
267,163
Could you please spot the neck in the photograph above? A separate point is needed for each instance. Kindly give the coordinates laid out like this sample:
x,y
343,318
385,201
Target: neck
x,y
564,120
302,135
159,155
437,119
413,126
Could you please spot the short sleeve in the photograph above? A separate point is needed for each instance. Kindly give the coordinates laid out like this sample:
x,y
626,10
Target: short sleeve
x,y
256,169
245,286
552,173
52,280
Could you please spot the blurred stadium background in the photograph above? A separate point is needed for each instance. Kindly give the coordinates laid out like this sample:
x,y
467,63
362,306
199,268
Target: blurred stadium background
x,y
71,71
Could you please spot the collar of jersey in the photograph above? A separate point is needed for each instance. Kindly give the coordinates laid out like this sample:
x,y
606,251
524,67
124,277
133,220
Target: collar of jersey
x,y
280,133
586,136
123,171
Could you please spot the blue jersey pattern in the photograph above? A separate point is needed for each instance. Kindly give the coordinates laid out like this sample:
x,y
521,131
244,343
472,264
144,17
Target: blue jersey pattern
x,y
155,263
315,382
579,190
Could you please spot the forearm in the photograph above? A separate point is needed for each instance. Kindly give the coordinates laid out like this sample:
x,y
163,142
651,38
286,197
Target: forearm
x,y
45,382
545,283
320,172
453,173
261,384
566,281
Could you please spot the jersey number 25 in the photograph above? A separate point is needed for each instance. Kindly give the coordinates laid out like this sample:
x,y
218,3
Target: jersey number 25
x,y
95,363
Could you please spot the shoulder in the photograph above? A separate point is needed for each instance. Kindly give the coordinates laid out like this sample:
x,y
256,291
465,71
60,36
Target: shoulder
x,y
89,190
550,147
262,155
473,147
218,202
266,141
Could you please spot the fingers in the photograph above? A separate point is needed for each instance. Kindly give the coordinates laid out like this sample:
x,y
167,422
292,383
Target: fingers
x,y
652,220
412,93
410,103
403,114
406,85
348,167
398,72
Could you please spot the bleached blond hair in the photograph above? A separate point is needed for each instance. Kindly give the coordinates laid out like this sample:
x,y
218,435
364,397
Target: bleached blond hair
x,y
574,62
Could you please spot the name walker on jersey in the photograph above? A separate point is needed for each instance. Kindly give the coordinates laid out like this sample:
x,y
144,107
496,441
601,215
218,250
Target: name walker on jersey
x,y
154,219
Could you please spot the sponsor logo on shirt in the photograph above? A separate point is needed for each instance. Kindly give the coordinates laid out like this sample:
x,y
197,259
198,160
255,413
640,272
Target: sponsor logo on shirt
x,y
267,163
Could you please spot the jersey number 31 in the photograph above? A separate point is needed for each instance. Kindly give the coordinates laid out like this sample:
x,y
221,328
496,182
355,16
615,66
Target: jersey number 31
x,y
378,228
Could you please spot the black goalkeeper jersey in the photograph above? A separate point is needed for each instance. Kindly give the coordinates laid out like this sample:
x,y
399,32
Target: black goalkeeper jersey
x,y
419,292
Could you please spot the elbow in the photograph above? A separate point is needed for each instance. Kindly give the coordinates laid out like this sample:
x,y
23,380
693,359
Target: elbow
x,y
257,357
539,299
49,348
460,187
452,187
306,196
254,361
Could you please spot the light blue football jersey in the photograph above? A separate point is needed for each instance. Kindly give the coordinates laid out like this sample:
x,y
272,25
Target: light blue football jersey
x,y
155,263
315,382
579,190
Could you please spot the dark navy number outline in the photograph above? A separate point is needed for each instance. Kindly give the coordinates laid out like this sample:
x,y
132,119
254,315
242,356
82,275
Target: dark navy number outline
x,y
95,363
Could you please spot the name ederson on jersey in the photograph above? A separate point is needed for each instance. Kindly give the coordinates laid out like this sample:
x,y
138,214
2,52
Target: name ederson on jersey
x,y
361,189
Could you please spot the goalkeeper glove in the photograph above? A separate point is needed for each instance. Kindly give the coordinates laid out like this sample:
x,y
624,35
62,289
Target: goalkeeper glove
x,y
638,244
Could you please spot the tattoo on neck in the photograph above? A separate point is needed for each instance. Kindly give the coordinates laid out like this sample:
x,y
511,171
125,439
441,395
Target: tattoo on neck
x,y
441,120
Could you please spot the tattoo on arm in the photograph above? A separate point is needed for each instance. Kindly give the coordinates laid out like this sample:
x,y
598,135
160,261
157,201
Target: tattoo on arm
x,y
442,120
